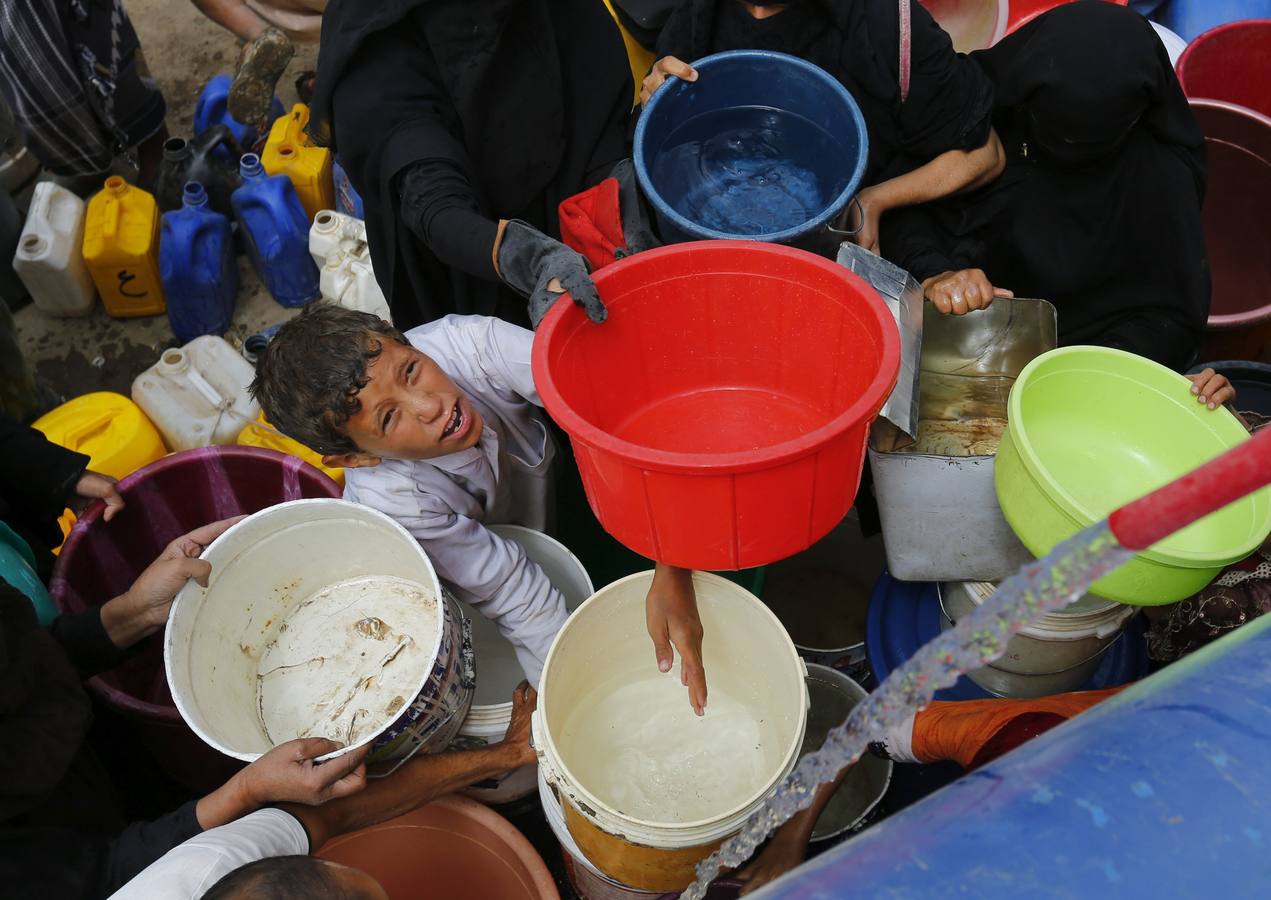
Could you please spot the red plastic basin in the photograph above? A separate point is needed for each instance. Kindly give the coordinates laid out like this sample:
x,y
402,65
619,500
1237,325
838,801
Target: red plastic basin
x,y
453,848
1024,11
719,416
1237,228
972,24
100,560
1231,62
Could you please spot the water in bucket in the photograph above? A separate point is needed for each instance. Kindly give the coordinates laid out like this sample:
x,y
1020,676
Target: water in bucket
x,y
749,170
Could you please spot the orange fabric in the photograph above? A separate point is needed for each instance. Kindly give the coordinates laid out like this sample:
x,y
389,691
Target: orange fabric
x,y
957,730
591,223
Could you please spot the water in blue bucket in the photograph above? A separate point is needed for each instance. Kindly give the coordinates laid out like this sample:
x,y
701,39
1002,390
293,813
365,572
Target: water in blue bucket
x,y
763,146
748,170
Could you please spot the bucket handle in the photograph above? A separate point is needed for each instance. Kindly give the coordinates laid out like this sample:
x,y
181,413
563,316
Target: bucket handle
x,y
850,232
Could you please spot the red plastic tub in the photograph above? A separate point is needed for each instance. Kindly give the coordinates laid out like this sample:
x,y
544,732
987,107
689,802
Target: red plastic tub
x,y
1024,11
453,848
1237,229
972,24
719,416
100,560
1231,62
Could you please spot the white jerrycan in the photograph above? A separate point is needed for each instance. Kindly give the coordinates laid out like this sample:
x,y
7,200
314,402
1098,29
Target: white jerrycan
x,y
337,243
49,259
197,395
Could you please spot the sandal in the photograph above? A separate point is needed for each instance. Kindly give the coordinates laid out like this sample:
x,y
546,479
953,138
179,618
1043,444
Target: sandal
x,y
259,69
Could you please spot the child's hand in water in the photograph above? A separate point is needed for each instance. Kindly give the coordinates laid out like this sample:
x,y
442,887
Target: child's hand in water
x,y
1212,389
670,611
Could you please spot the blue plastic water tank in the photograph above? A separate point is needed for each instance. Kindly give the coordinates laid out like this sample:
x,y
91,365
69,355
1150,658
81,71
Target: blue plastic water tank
x,y
1191,18
197,267
211,109
276,230
1161,791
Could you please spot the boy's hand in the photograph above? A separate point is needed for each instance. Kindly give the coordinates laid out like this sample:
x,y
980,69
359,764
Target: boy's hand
x,y
517,738
670,611
93,486
1212,389
666,66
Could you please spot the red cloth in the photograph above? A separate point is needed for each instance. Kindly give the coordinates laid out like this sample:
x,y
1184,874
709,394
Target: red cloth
x,y
591,223
971,732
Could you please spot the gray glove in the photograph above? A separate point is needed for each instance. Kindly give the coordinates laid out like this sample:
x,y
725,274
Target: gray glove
x,y
636,230
529,259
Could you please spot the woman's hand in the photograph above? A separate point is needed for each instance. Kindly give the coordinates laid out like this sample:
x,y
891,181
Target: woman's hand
x,y
662,69
670,611
958,293
1212,389
92,486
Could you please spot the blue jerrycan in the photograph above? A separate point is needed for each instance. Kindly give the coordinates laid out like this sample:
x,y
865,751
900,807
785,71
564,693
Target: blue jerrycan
x,y
197,267
275,228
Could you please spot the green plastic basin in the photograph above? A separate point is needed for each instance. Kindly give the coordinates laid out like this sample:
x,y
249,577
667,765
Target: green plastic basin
x,y
1091,429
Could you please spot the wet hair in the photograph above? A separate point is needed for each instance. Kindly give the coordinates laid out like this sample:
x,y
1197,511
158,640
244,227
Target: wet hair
x,y
308,377
280,878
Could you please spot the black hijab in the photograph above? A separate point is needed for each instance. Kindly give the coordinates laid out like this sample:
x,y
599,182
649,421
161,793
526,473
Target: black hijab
x,y
858,42
527,98
1099,207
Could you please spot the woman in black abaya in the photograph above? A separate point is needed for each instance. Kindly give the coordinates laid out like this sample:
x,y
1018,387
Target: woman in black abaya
x,y
463,124
1099,208
930,133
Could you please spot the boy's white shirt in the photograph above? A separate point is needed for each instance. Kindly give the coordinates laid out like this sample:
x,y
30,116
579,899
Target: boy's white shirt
x,y
447,502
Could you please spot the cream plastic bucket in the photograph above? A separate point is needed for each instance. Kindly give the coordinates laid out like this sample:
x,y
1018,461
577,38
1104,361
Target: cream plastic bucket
x,y
267,566
601,679
1056,654
498,672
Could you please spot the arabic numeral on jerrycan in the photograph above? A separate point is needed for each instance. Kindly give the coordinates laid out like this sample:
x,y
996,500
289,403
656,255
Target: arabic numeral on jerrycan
x,y
121,248
196,263
277,233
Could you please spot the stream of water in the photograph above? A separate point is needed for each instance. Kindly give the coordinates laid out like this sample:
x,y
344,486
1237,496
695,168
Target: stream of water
x,y
978,639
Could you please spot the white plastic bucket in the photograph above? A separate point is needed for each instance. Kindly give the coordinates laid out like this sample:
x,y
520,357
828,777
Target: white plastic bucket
x,y
497,670
1057,654
268,567
649,788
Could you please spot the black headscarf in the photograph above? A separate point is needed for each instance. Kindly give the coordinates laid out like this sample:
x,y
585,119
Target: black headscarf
x,y
858,42
1099,207
527,98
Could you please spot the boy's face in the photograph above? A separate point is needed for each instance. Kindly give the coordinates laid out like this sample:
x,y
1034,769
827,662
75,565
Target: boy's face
x,y
410,410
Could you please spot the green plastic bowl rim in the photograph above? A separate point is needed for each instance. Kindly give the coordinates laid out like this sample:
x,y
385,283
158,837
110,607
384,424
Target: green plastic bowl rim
x,y
1068,504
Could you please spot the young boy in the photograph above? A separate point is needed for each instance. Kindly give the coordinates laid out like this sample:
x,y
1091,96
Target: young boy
x,y
442,430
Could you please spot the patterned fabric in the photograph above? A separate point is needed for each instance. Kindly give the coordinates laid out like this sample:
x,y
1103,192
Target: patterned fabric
x,y
71,74
1240,595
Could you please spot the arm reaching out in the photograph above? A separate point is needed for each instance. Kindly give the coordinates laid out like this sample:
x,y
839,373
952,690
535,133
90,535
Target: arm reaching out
x,y
671,616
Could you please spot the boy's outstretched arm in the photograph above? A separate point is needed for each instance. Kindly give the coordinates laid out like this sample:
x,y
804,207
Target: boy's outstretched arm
x,y
670,611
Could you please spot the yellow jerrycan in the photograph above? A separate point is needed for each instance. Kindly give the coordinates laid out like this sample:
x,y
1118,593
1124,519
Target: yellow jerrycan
x,y
121,247
109,429
259,433
288,151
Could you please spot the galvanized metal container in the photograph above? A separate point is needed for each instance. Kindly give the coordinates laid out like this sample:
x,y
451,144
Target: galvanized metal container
x,y
939,511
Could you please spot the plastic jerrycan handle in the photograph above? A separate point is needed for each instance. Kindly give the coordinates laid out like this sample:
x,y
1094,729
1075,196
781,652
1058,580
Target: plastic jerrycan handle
x,y
89,427
202,385
1206,489
110,227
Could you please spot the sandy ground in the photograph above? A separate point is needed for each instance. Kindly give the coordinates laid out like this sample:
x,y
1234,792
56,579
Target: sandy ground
x,y
74,356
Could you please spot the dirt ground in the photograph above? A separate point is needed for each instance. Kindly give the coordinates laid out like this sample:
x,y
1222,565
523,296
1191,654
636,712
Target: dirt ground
x,y
74,356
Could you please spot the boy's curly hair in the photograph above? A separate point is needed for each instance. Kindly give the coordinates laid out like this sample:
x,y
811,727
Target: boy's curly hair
x,y
309,376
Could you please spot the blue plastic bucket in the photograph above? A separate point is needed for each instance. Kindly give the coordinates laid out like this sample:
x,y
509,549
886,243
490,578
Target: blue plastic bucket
x,y
793,91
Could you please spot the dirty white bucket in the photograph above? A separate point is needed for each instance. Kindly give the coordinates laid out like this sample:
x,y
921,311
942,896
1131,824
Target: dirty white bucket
x,y
498,672
1057,654
648,787
300,594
